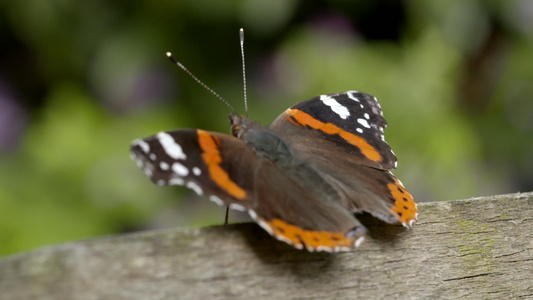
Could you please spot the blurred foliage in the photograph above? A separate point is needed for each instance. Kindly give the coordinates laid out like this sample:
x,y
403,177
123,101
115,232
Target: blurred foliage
x,y
79,80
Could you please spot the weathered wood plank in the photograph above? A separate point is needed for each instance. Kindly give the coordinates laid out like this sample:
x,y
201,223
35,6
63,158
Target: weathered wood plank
x,y
467,249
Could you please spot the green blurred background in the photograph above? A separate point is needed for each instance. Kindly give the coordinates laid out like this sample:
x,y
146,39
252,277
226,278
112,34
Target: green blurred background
x,y
79,80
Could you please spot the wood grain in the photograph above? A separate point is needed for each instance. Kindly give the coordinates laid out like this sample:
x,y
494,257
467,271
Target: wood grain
x,y
466,249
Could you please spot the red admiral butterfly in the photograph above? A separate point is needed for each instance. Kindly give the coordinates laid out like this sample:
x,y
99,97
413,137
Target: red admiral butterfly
x,y
301,178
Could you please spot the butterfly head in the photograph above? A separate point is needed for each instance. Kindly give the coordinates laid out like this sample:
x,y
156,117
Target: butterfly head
x,y
235,122
241,125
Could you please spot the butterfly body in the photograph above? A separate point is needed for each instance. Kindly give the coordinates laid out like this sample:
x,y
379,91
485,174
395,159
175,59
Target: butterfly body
x,y
301,178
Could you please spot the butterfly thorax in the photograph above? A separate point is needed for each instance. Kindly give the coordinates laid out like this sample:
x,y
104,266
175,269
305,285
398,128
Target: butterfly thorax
x,y
267,144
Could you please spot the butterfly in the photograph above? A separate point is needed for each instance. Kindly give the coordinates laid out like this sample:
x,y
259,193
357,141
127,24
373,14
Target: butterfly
x,y
302,178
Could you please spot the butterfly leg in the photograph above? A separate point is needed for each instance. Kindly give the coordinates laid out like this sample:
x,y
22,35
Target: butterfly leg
x,y
226,218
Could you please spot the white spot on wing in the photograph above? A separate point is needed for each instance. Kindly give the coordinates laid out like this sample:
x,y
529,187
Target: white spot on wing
x,y
335,106
164,166
260,221
363,122
288,241
252,214
216,200
180,169
196,171
324,248
352,96
237,207
376,99
152,156
138,162
367,116
196,188
399,181
359,130
170,146
176,181
144,145
148,171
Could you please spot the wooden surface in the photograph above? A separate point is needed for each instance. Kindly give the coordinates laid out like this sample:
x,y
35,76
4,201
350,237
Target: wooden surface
x,y
467,249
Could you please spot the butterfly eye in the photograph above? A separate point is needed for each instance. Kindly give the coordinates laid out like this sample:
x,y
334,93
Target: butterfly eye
x,y
236,129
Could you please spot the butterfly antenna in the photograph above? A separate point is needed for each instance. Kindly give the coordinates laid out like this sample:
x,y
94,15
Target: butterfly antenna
x,y
174,60
241,37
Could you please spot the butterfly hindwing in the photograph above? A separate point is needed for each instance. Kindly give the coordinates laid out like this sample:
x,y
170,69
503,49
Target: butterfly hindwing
x,y
299,216
372,190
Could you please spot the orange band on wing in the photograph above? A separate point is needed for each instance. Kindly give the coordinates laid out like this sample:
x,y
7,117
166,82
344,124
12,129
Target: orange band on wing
x,y
312,240
404,205
212,159
305,119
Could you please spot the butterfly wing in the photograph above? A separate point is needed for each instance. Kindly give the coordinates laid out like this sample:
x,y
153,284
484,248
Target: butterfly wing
x,y
342,136
349,123
296,215
229,173
194,158
372,190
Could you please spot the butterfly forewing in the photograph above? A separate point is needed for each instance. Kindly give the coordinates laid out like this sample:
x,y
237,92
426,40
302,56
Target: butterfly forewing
x,y
197,159
229,173
350,123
